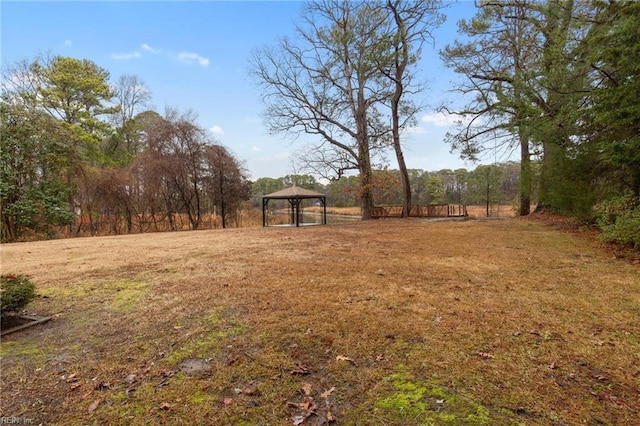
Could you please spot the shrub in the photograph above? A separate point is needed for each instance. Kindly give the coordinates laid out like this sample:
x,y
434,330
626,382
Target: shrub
x,y
619,220
16,291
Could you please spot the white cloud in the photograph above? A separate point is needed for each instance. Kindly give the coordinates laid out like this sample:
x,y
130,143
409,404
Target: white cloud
x,y
148,48
255,149
184,57
216,129
125,56
190,58
440,119
68,43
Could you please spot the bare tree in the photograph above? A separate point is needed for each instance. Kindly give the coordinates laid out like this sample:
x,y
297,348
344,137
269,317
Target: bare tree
x,y
329,85
182,171
226,185
131,96
411,24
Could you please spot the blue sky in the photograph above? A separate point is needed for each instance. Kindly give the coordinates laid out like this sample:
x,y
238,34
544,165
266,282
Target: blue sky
x,y
195,55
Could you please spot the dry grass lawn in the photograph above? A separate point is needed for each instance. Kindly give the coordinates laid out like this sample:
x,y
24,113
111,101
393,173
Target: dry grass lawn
x,y
390,322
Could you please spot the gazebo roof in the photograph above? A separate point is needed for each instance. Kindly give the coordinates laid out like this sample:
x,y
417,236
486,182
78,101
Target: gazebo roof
x,y
294,192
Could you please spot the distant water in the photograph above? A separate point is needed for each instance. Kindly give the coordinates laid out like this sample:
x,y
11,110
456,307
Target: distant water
x,y
311,218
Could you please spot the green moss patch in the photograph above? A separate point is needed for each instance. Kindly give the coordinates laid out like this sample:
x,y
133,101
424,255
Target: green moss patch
x,y
23,348
128,295
419,402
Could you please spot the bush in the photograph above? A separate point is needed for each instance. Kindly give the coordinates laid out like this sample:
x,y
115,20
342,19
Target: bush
x,y
619,220
16,291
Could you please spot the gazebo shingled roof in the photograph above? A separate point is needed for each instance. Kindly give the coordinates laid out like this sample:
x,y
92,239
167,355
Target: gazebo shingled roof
x,y
294,192
294,195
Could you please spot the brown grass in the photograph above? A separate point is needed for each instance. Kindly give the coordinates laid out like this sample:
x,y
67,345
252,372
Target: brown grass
x,y
408,321
496,210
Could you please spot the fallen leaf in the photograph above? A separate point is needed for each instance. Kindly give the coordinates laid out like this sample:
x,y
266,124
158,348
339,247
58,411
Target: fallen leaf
x,y
485,355
306,387
227,401
328,392
94,405
165,406
301,369
330,417
75,385
297,420
380,357
305,404
311,409
345,358
250,390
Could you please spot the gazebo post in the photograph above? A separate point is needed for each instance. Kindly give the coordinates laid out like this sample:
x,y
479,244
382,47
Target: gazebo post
x,y
265,202
324,210
295,213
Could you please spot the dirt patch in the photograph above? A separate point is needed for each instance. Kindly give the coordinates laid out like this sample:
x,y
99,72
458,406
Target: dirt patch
x,y
195,367
382,322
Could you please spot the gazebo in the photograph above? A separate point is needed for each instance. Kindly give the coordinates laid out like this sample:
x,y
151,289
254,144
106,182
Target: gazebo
x,y
294,195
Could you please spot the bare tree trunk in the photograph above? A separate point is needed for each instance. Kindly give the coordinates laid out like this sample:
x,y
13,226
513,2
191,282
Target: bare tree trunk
x,y
401,62
366,195
364,163
404,173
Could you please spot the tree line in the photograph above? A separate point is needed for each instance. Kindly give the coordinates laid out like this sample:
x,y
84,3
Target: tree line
x,y
82,154
486,185
555,80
